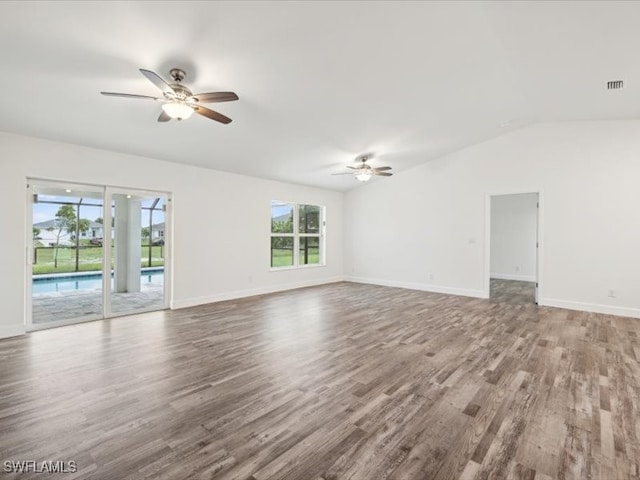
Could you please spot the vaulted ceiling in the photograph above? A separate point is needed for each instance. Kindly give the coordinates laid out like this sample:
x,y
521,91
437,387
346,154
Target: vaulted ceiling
x,y
319,82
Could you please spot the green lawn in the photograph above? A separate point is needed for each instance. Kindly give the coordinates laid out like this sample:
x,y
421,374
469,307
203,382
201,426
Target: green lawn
x,y
283,257
90,259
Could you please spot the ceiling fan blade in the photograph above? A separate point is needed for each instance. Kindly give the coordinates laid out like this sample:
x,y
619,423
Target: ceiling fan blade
x,y
343,173
213,115
216,97
381,169
383,174
353,168
128,95
164,117
157,81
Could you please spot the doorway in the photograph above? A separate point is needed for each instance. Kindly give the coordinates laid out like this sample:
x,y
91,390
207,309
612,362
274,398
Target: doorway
x,y
95,252
513,266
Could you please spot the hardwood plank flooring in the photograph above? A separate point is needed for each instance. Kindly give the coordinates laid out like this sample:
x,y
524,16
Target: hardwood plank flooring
x,y
513,291
343,381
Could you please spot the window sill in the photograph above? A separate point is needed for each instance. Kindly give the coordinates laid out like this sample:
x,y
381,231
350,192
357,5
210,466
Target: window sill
x,y
299,267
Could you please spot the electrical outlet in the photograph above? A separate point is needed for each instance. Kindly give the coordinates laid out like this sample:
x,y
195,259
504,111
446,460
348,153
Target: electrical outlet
x,y
431,276
517,268
612,293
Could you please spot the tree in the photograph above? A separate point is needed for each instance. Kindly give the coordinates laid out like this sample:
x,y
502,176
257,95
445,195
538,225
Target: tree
x,y
309,218
100,220
83,227
282,226
145,232
65,221
36,232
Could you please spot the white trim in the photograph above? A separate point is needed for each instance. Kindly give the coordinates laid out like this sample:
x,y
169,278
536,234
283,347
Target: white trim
x,y
419,286
547,302
7,331
168,249
28,293
107,251
508,276
584,307
290,267
221,297
591,307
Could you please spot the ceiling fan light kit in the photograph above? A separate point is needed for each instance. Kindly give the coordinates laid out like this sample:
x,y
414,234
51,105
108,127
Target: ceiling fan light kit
x,y
364,175
179,102
178,110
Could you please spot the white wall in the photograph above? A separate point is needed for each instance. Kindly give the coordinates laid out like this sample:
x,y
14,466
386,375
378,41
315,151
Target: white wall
x,y
425,227
514,225
229,213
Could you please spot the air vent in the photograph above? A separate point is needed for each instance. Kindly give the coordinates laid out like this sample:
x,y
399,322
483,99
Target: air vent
x,y
615,85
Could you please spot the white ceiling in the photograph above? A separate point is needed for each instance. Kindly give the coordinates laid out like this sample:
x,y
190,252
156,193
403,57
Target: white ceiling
x,y
319,82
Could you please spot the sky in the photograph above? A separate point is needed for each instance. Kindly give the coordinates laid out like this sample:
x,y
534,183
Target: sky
x,y
45,211
279,208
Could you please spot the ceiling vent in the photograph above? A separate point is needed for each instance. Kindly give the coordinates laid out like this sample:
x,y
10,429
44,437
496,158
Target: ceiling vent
x,y
615,85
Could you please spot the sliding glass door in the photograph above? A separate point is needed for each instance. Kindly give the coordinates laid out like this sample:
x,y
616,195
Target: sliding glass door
x,y
87,261
139,250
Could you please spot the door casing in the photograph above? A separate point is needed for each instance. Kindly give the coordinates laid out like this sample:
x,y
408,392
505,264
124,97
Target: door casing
x,y
539,236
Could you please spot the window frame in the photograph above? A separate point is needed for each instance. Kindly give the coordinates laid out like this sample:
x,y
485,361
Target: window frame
x,y
296,235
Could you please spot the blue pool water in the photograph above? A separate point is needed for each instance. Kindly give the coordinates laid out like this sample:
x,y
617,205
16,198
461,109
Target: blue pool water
x,y
86,282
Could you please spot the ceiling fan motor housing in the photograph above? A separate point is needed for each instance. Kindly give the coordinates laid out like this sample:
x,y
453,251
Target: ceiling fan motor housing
x,y
181,92
177,74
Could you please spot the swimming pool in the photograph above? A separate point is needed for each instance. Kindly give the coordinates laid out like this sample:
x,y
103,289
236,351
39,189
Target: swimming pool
x,y
51,284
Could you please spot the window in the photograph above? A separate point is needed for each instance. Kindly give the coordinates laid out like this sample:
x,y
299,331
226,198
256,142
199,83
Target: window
x,y
296,235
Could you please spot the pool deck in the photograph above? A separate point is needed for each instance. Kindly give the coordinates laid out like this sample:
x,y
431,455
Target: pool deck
x,y
55,306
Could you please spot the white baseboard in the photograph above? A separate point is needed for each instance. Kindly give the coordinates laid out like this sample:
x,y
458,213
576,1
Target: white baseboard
x,y
252,292
549,302
425,287
508,276
7,331
591,307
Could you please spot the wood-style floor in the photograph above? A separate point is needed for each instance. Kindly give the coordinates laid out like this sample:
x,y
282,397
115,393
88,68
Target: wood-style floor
x,y
343,381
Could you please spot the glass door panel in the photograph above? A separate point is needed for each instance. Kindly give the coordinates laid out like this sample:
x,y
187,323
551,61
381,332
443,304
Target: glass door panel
x,y
137,251
66,253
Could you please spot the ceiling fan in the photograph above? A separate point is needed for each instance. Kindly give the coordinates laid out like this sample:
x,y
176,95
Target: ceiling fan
x,y
178,101
364,172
